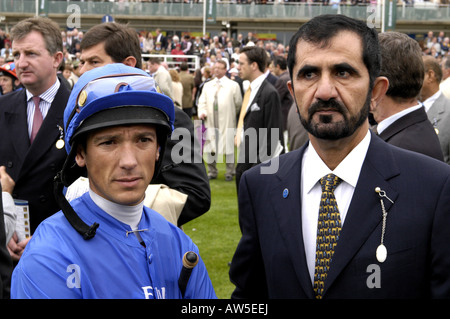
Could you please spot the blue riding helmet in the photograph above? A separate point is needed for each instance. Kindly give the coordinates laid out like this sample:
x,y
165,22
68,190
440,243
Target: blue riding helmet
x,y
112,95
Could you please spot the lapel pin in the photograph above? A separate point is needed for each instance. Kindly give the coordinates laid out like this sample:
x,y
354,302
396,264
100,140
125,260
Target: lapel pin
x,y
381,252
60,142
285,193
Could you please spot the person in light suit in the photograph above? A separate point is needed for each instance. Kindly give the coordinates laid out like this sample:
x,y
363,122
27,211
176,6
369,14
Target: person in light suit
x,y
218,105
161,75
37,51
436,104
388,195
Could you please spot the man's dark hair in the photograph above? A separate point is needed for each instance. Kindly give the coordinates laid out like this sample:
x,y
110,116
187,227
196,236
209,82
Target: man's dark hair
x,y
281,61
321,29
402,64
256,54
121,41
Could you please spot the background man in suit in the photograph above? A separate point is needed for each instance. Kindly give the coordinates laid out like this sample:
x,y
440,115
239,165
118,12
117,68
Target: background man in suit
x,y
161,38
218,105
32,160
161,75
189,89
260,113
186,177
268,72
297,134
402,120
280,70
334,64
436,104
445,84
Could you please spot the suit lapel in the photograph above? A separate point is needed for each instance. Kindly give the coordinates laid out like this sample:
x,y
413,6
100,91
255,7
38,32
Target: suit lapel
x,y
403,122
255,98
49,132
437,109
365,213
288,212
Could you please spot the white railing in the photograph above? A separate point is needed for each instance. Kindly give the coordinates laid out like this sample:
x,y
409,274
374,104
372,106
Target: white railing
x,y
174,61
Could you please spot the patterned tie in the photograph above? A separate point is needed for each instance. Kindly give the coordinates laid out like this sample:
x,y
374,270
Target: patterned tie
x,y
37,119
328,229
242,115
216,105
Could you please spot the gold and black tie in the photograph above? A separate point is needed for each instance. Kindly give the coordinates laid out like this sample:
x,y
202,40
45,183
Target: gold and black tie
x,y
328,230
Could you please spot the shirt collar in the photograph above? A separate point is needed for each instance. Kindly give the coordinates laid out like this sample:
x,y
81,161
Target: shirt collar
x,y
391,119
348,170
256,83
48,95
429,102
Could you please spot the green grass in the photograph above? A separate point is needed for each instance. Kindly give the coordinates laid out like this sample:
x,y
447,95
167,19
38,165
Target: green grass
x,y
217,233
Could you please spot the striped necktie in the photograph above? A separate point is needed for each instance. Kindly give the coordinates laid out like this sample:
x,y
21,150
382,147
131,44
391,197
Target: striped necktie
x,y
37,119
328,230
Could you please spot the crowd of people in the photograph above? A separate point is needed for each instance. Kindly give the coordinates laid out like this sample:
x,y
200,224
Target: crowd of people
x,y
248,95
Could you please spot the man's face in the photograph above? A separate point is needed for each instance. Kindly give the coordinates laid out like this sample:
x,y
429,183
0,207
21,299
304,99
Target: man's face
x,y
220,70
153,67
6,82
120,161
94,57
35,66
331,86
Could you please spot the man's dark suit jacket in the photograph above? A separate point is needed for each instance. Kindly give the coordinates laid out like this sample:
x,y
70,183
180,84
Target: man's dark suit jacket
x,y
272,78
285,96
188,178
270,258
414,132
264,112
32,167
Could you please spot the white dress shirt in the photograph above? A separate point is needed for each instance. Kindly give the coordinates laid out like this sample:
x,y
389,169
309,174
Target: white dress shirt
x,y
255,84
384,124
313,169
430,101
46,101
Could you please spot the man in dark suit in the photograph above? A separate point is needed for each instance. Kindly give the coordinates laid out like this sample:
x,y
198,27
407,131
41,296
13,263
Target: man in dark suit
x,y
161,38
269,75
33,159
390,209
259,133
402,120
279,66
436,104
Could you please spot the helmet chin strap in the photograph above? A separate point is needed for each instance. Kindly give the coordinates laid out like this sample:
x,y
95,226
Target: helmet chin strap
x,y
81,227
77,223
